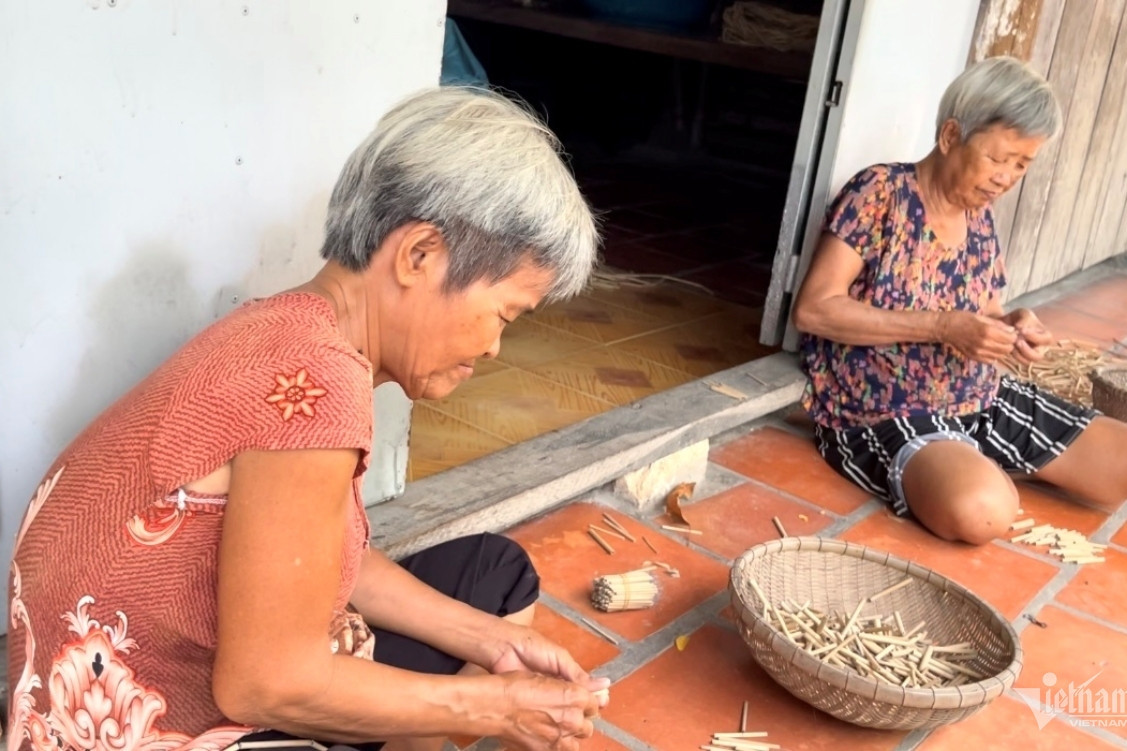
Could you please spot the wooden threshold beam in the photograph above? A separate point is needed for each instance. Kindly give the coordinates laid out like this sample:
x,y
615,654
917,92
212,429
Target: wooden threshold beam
x,y
497,491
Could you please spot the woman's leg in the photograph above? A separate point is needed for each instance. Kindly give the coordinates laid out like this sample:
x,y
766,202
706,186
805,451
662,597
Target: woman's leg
x,y
958,493
490,572
1094,466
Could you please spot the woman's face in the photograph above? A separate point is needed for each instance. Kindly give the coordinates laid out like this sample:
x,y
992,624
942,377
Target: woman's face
x,y
988,163
430,345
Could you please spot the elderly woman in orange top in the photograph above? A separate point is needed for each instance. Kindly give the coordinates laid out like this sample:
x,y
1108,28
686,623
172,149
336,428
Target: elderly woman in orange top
x,y
903,316
217,587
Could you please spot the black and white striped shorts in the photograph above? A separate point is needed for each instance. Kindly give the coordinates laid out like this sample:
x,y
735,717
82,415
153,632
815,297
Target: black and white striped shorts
x,y
1023,430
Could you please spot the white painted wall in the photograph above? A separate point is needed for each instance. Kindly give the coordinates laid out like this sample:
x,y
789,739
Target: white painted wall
x,y
907,52
161,160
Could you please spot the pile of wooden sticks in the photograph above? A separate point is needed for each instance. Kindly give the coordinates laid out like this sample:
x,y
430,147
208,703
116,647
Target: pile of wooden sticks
x,y
1064,369
755,741
879,647
1068,544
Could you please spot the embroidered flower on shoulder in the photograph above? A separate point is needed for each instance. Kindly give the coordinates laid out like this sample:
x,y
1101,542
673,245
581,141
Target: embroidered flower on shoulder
x,y
295,394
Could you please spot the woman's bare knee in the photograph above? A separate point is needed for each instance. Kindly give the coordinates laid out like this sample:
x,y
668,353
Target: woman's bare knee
x,y
959,494
979,517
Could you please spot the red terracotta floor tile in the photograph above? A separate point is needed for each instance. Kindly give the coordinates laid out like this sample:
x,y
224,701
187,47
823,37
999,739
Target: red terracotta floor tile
x,y
1066,323
1074,651
676,701
1098,588
1005,579
984,731
738,518
1106,299
568,559
792,464
1045,506
589,650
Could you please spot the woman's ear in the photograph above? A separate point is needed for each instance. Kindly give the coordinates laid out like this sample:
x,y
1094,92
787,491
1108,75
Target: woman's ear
x,y
420,254
950,135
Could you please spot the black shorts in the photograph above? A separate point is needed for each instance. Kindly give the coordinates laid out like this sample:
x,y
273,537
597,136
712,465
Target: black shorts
x,y
1023,430
490,572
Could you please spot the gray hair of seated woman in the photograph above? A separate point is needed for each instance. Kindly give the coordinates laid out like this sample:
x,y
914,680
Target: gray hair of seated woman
x,y
1000,91
485,171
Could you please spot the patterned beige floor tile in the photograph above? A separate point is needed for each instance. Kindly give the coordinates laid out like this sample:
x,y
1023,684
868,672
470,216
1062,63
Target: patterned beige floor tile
x,y
611,374
516,405
597,320
526,343
439,441
694,348
669,302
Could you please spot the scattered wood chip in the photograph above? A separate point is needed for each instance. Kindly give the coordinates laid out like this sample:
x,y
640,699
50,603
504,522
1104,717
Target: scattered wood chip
x,y
803,518
681,642
675,498
726,390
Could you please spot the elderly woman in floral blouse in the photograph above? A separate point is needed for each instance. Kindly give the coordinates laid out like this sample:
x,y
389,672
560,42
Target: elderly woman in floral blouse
x,y
904,323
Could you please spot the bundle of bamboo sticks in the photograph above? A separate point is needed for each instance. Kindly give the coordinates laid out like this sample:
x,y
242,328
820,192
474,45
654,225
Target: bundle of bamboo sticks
x,y
879,647
632,590
1068,544
1064,369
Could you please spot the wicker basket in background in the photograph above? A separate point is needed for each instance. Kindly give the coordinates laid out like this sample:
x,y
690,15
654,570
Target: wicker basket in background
x,y
1109,392
834,575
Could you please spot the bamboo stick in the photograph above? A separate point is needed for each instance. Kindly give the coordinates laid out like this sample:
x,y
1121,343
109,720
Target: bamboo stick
x,y
682,530
602,543
779,526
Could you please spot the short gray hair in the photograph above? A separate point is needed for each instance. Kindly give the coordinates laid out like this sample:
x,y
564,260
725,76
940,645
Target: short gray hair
x,y
485,171
1000,91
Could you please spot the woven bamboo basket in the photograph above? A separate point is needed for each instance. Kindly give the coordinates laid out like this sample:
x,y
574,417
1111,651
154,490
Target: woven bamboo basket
x,y
835,575
1109,392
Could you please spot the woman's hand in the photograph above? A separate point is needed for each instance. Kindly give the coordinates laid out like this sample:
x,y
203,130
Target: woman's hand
x,y
977,336
524,649
1032,337
546,713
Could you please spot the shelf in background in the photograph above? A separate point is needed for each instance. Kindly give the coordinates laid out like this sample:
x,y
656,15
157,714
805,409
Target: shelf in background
x,y
793,65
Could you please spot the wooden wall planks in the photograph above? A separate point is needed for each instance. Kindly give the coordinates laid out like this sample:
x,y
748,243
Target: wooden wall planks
x,y
1070,212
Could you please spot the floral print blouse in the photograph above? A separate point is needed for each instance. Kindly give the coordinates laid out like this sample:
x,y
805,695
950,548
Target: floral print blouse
x,y
113,582
880,214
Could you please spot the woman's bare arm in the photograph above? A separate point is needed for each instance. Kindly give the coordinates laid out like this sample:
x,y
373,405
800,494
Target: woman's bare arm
x,y
824,308
279,572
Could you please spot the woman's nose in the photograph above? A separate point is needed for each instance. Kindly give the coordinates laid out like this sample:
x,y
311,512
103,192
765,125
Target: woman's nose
x,y
494,349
